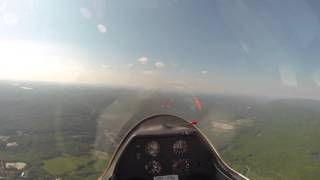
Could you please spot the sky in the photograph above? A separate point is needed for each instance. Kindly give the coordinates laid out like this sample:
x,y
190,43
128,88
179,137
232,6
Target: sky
x,y
265,47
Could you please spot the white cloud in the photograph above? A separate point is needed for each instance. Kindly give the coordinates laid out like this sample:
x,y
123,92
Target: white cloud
x,y
143,60
288,76
146,72
102,28
86,13
245,47
10,19
316,78
159,64
204,72
130,65
104,66
26,88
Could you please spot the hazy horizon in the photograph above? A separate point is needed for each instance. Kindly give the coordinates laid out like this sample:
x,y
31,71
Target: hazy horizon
x,y
235,47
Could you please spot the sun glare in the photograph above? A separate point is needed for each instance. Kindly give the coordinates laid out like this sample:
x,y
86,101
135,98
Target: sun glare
x,y
36,62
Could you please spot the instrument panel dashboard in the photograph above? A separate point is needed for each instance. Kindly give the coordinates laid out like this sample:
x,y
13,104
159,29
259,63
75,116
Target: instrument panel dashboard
x,y
150,156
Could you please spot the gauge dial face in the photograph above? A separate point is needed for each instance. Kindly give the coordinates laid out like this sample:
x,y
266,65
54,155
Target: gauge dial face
x,y
180,147
153,167
152,148
181,166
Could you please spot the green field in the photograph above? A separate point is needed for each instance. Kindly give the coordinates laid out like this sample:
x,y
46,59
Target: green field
x,y
65,164
285,145
61,135
71,167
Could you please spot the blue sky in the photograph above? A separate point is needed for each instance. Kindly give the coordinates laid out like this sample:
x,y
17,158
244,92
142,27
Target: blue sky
x,y
266,47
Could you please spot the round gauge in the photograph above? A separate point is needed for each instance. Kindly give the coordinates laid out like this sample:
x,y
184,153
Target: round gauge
x,y
180,147
152,148
181,166
153,167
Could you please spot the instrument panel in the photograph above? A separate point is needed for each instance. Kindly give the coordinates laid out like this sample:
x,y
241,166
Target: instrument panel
x,y
179,166
149,157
